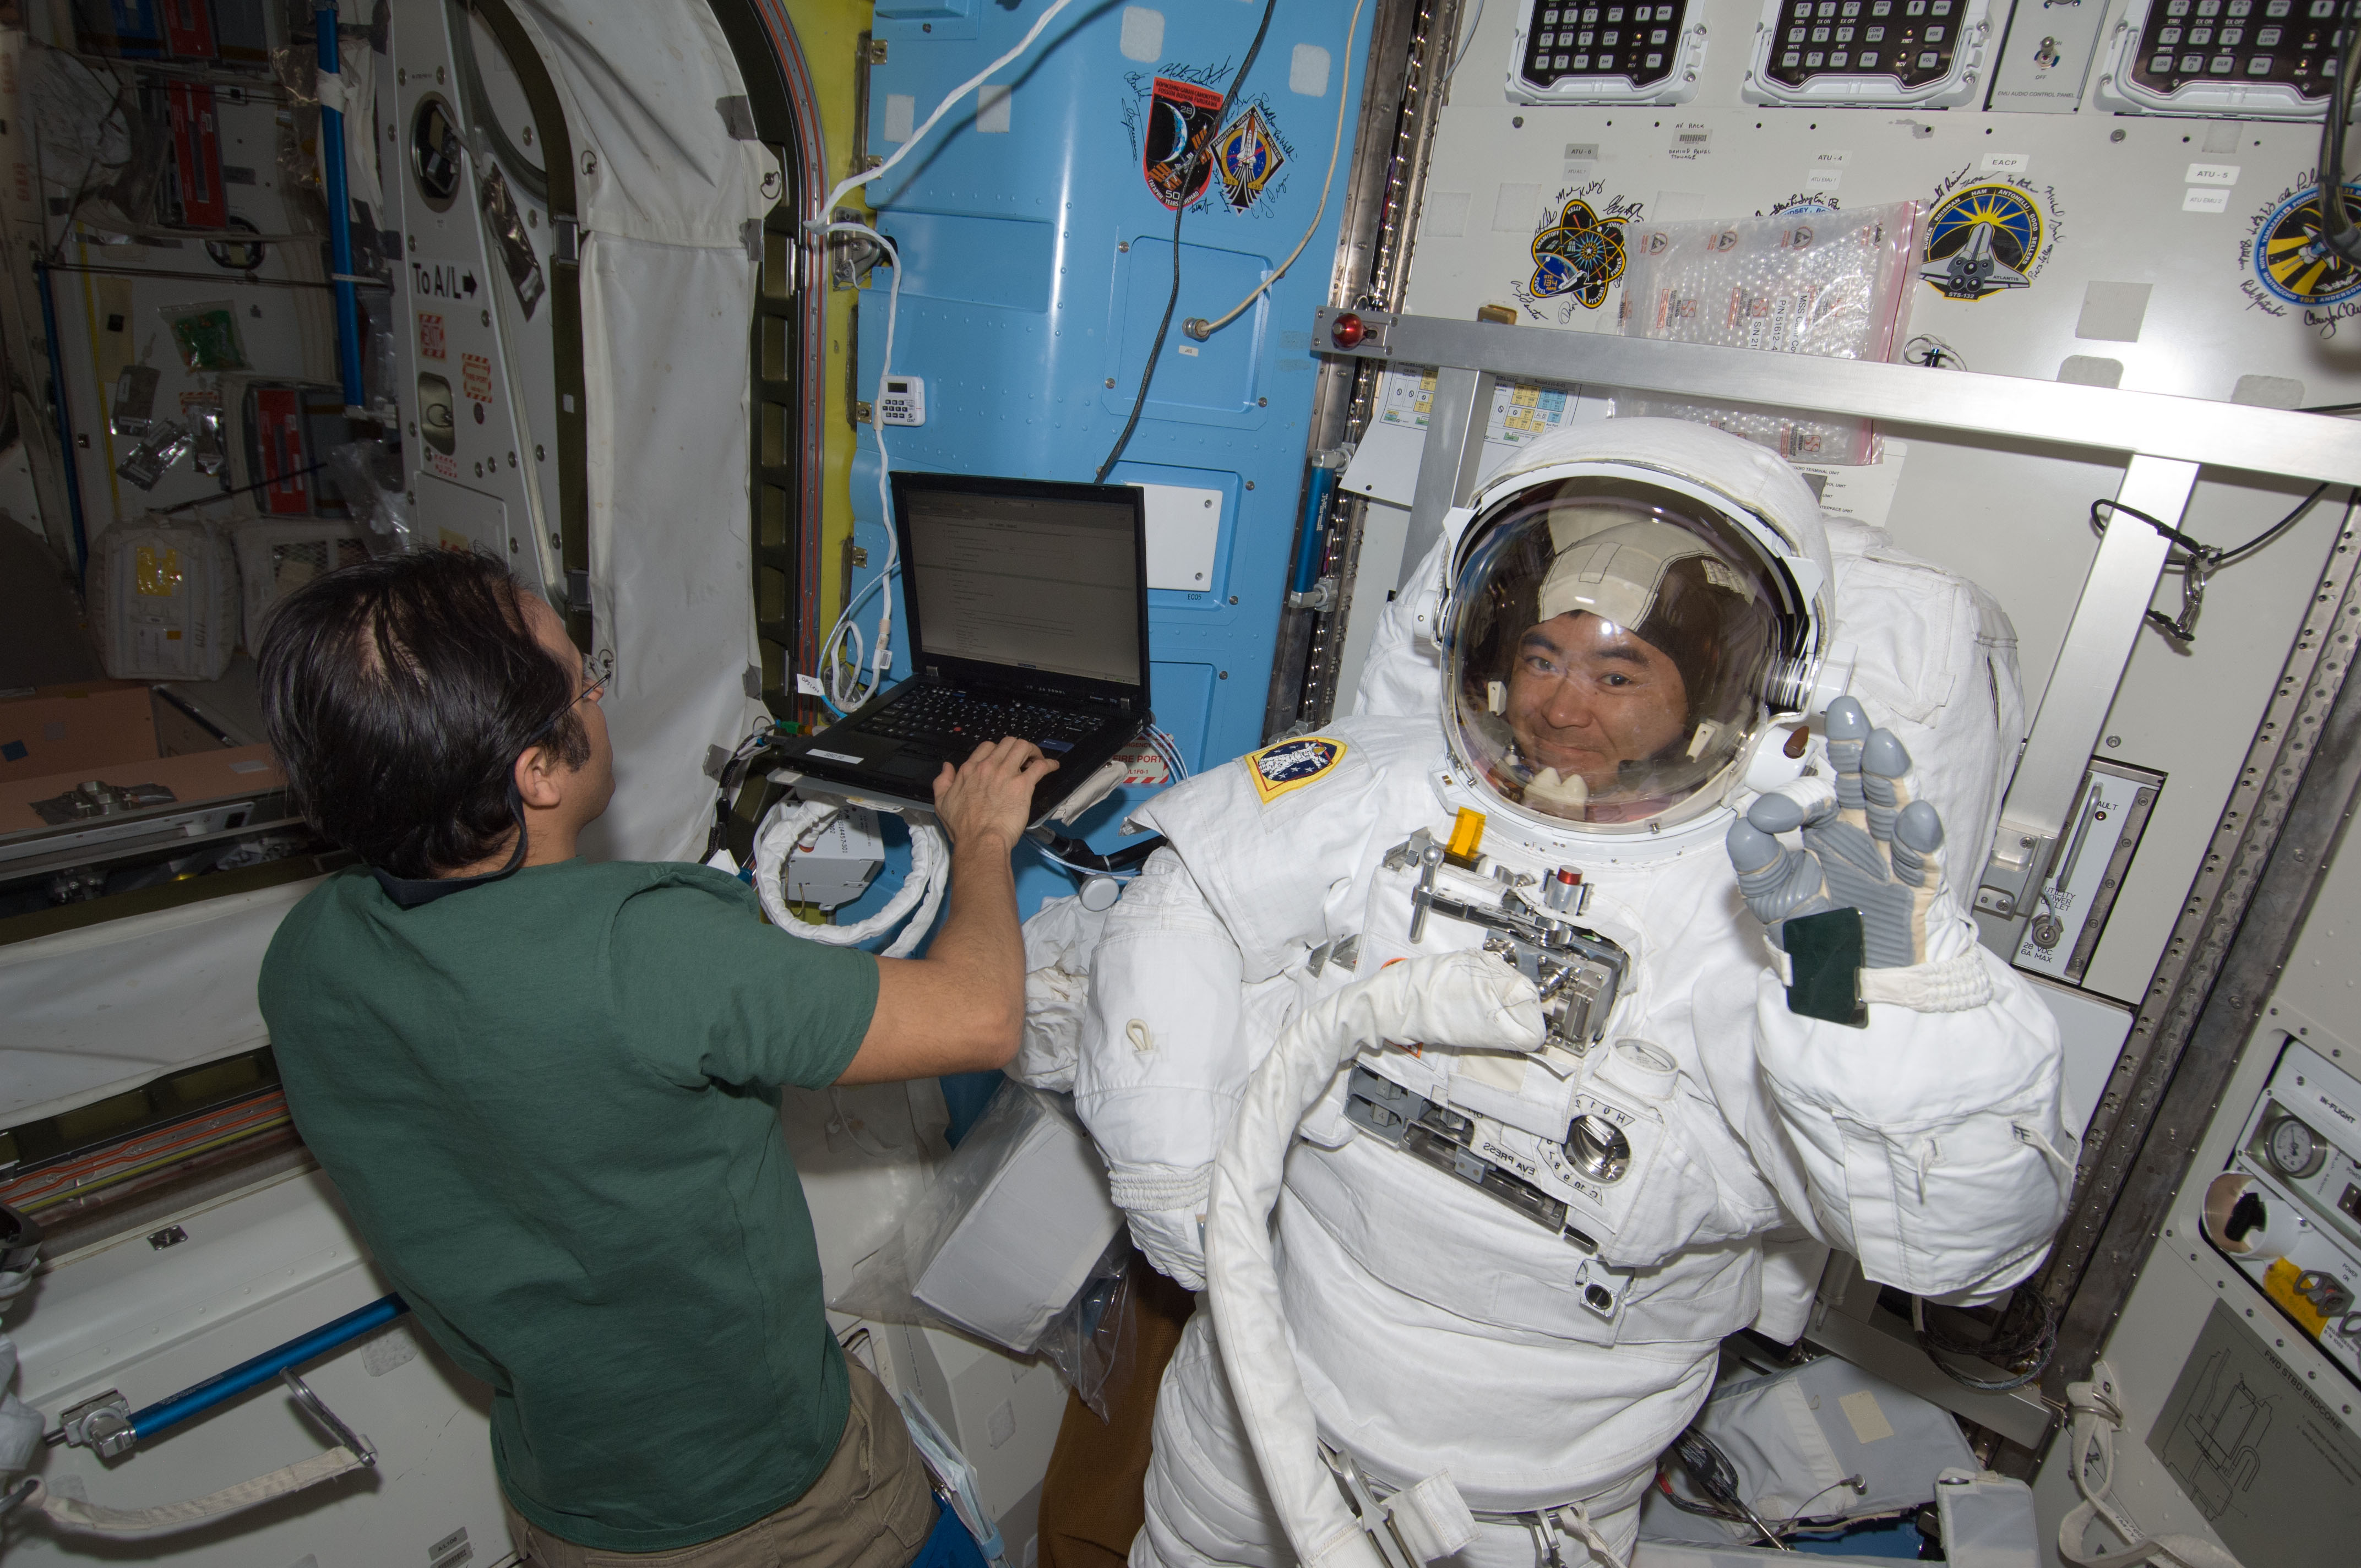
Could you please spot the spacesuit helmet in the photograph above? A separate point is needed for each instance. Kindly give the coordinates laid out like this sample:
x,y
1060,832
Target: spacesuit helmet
x,y
1631,604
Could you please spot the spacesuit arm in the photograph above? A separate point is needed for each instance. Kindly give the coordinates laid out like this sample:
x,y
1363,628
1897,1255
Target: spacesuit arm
x,y
1923,1133
1926,1145
1163,1058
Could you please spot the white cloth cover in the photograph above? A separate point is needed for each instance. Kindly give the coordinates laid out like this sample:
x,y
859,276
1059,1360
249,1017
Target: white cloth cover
x,y
107,1007
163,601
643,82
1821,1441
1437,1329
665,194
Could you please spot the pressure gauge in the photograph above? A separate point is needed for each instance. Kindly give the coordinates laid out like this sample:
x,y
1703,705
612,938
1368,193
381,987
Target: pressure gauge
x,y
1606,51
434,149
2253,58
1867,53
2294,1149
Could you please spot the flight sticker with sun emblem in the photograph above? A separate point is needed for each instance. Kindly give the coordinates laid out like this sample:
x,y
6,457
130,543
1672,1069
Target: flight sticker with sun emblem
x,y
1580,256
2288,269
1989,237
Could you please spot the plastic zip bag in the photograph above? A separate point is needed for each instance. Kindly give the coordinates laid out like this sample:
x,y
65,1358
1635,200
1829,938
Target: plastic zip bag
x,y
205,335
203,409
501,216
1085,1335
135,401
368,476
1813,281
167,442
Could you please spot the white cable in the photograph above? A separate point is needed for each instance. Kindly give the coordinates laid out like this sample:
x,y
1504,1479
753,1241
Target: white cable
x,y
1459,50
2097,1416
1169,750
1207,329
831,663
792,820
845,633
953,96
1463,999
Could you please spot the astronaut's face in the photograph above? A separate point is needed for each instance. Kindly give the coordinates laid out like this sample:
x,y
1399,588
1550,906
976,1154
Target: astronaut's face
x,y
1586,696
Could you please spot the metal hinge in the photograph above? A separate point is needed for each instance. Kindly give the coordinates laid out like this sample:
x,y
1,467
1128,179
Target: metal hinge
x,y
870,51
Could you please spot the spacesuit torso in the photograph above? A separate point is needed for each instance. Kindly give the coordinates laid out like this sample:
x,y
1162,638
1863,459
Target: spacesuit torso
x,y
1515,1267
1456,1317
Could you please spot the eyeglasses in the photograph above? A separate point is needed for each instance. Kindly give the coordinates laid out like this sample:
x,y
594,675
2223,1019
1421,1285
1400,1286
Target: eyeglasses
x,y
597,671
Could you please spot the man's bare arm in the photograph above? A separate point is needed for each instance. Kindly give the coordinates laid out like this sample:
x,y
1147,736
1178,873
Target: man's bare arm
x,y
961,1007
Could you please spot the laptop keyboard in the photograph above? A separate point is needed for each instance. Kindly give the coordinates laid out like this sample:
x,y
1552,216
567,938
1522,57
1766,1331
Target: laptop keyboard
x,y
955,723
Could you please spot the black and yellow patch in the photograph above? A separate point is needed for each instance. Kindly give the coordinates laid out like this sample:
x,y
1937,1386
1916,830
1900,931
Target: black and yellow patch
x,y
1292,765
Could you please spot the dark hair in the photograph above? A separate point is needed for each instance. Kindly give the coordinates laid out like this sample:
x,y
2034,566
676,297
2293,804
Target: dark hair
x,y
1700,625
399,694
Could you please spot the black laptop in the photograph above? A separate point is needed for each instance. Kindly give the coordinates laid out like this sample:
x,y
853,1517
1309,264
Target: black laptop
x,y
1026,613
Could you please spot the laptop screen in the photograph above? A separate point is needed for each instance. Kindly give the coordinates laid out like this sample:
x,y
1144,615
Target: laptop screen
x,y
1037,582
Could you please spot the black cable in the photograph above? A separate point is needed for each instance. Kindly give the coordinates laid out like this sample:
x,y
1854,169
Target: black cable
x,y
1188,173
2201,560
2336,228
2037,1343
1081,857
242,489
2281,526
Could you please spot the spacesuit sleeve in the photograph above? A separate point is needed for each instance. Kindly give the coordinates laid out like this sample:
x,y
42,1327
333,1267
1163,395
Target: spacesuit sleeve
x,y
1164,1060
1928,1145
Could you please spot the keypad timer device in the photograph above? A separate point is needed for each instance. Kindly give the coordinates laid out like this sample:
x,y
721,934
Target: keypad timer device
x,y
1603,52
2254,59
1867,52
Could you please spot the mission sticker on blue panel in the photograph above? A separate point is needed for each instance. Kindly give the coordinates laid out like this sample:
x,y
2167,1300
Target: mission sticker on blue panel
x,y
1292,765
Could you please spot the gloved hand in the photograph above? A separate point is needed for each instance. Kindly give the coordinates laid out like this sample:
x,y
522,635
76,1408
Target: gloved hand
x,y
1874,847
1174,1241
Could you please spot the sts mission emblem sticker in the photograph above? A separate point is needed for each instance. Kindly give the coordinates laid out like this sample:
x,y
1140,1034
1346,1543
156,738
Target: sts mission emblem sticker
x,y
1292,765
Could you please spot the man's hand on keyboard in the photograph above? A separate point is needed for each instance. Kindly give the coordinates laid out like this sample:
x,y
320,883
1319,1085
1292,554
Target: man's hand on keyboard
x,y
990,794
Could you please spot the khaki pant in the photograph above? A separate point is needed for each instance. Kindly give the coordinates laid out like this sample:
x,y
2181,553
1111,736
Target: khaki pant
x,y
873,1507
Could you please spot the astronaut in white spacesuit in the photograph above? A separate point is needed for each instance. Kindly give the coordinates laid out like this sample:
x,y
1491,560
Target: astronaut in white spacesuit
x,y
1509,1259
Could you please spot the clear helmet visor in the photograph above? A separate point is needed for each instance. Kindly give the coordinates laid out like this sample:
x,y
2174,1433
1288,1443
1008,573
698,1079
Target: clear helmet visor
x,y
1609,643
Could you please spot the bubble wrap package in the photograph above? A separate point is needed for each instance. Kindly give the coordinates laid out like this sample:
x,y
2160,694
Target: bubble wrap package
x,y
1811,282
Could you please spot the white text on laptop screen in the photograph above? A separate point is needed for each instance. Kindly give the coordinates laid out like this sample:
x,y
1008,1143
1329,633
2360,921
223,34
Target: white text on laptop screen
x,y
1046,585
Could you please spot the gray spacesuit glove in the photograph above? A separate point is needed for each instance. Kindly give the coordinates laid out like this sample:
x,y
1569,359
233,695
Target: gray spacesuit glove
x,y
1875,851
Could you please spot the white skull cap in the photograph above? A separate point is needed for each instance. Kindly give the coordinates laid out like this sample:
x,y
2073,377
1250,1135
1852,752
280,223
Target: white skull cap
x,y
1614,572
1757,483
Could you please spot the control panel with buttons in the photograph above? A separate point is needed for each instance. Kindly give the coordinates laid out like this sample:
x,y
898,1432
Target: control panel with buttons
x,y
2261,59
1867,51
1603,52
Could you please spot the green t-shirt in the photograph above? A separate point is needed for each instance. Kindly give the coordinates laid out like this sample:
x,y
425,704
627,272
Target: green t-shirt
x,y
551,1103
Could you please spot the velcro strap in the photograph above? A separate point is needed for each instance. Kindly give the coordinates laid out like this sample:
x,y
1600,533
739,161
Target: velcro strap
x,y
90,1518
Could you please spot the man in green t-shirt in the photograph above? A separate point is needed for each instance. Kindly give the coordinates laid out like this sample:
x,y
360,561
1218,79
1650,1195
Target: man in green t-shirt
x,y
548,1090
